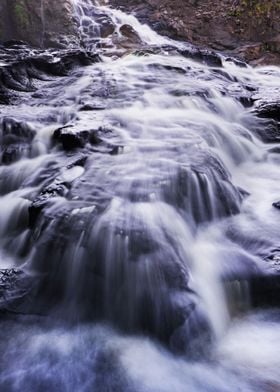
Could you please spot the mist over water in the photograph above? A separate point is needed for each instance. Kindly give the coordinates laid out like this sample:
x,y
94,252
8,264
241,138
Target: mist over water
x,y
149,234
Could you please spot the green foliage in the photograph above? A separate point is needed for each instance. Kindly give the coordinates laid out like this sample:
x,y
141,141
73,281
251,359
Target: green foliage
x,y
21,15
258,10
261,8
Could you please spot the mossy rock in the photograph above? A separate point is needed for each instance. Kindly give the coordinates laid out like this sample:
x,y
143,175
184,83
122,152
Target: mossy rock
x,y
21,15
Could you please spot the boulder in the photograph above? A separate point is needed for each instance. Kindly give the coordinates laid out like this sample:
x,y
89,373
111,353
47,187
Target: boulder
x,y
236,27
15,140
15,289
267,109
45,23
21,66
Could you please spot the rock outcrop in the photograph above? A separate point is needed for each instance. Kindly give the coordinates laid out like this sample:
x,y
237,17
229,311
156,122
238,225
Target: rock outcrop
x,y
249,29
41,23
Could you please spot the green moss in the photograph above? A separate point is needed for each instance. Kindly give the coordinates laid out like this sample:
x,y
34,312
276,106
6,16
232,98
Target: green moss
x,y
260,12
21,15
259,8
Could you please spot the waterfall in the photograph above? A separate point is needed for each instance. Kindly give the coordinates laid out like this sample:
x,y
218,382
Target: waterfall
x,y
42,15
136,211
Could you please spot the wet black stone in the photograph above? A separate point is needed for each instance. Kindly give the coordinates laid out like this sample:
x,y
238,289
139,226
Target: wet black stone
x,y
115,150
14,131
67,61
16,139
265,291
15,288
204,56
268,110
22,66
78,161
237,62
89,107
247,102
14,43
72,137
14,152
268,130
94,138
44,198
129,32
275,150
276,205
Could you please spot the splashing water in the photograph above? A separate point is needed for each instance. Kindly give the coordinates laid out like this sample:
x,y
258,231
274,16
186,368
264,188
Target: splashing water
x,y
154,226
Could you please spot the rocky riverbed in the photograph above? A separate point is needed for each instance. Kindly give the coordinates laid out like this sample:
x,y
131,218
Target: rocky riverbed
x,y
139,218
246,29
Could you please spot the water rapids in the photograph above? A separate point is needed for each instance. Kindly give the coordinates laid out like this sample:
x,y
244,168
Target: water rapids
x,y
139,242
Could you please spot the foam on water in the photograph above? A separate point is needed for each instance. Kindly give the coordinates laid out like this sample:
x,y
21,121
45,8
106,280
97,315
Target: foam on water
x,y
156,227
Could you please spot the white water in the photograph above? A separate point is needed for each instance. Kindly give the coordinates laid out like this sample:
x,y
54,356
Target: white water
x,y
90,358
186,144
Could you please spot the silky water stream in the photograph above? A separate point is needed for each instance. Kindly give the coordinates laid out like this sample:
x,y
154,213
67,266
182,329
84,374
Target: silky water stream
x,y
139,214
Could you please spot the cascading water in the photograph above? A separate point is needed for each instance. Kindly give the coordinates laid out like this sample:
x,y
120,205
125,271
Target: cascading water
x,y
137,195
42,11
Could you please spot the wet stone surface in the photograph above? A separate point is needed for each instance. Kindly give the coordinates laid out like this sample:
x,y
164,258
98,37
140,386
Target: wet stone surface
x,y
122,174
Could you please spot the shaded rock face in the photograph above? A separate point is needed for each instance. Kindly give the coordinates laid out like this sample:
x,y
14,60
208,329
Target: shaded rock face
x,y
42,23
22,67
248,29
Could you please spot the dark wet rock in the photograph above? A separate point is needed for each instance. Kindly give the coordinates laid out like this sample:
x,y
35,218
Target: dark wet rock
x,y
107,26
204,56
251,52
246,101
237,62
49,23
15,289
128,32
14,152
15,44
21,68
194,337
15,139
54,187
14,131
274,150
90,107
78,160
62,65
265,288
273,259
276,205
268,131
116,150
127,39
71,138
52,191
265,291
94,138
189,183
163,301
270,110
